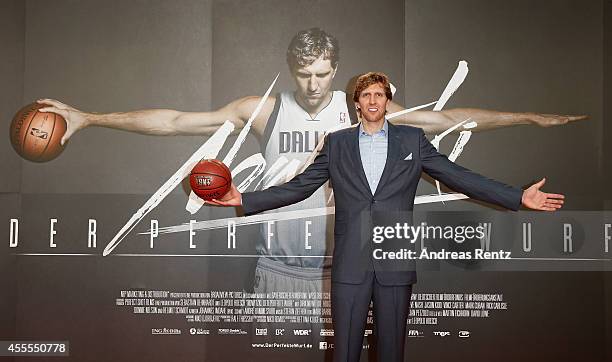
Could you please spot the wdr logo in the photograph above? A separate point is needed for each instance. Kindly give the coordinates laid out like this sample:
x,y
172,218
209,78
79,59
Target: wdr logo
x,y
302,332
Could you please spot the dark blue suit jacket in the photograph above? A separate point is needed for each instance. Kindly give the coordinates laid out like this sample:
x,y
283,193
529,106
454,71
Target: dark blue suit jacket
x,y
340,162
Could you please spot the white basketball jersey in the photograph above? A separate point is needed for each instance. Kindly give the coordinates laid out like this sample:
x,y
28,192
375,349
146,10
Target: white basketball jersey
x,y
294,134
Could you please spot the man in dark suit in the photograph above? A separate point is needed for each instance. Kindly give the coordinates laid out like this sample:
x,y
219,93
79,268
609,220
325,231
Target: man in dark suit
x,y
375,167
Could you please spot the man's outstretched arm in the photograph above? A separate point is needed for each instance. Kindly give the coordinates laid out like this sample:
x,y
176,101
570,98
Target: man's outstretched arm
x,y
437,122
297,189
158,121
482,188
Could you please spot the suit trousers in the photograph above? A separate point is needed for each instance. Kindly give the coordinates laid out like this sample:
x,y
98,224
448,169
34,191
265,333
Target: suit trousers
x,y
350,303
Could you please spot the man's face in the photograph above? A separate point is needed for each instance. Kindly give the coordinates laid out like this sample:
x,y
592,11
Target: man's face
x,y
373,103
314,82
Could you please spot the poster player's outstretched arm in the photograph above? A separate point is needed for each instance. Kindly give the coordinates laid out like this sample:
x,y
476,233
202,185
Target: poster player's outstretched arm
x,y
437,122
163,121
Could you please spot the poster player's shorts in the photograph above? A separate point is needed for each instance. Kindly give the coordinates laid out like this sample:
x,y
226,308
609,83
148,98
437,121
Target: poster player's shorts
x,y
307,290
274,276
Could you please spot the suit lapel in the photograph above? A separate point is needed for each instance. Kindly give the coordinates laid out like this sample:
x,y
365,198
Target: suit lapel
x,y
393,153
357,163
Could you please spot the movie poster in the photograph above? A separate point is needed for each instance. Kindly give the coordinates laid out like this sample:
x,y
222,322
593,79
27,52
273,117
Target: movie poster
x,y
108,256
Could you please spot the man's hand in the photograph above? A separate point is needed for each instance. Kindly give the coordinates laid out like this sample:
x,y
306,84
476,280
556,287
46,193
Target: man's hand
x,y
535,199
232,198
75,119
550,120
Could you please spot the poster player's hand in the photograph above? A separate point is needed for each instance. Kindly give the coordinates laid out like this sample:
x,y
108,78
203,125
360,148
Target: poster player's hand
x,y
232,198
535,199
75,119
549,120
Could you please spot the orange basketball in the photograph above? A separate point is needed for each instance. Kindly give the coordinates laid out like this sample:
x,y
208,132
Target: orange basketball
x,y
36,135
210,179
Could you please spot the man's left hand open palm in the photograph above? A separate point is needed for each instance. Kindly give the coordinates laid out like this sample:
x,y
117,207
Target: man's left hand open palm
x,y
535,199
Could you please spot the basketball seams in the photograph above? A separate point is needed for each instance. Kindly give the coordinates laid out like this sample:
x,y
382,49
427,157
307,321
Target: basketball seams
x,y
210,173
17,127
215,189
41,156
31,115
229,172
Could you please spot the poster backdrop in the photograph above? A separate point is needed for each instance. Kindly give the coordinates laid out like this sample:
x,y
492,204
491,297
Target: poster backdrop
x,y
86,259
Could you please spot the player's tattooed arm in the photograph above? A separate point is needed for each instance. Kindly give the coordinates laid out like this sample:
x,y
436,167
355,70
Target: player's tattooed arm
x,y
158,121
436,122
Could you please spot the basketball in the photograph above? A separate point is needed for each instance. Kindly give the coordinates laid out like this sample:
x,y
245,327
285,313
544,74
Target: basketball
x,y
36,135
210,179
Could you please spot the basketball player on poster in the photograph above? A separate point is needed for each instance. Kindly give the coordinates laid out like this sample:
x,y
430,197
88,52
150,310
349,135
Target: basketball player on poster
x,y
288,263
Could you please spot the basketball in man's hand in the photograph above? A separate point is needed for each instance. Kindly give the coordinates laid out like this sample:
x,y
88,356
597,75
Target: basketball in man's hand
x,y
36,135
210,179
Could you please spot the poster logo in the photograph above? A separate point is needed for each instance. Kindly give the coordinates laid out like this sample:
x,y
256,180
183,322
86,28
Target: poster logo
x,y
415,333
230,331
325,346
302,332
165,331
199,331
326,333
441,333
464,334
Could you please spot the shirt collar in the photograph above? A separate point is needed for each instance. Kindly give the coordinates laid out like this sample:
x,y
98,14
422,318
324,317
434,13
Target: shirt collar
x,y
383,131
